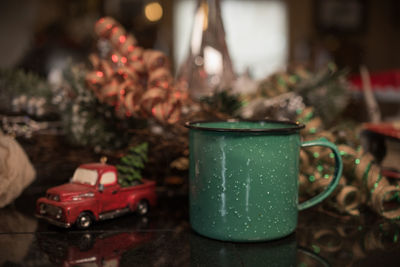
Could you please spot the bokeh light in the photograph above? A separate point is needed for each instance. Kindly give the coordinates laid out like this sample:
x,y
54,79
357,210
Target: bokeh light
x,y
153,11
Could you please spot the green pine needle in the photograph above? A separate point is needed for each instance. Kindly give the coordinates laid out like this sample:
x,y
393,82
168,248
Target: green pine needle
x,y
131,165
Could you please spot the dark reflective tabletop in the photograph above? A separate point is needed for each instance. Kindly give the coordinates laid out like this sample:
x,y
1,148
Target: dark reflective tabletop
x,y
164,237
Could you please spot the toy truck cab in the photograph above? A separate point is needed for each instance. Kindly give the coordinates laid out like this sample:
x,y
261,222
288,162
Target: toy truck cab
x,y
93,194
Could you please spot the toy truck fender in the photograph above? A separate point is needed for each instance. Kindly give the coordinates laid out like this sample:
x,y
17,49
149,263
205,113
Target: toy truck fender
x,y
143,192
74,211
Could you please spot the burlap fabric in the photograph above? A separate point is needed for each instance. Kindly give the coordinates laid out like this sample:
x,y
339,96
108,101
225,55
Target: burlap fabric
x,y
16,171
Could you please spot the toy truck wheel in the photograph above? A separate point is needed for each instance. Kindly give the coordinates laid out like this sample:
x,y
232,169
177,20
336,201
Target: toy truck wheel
x,y
84,221
142,207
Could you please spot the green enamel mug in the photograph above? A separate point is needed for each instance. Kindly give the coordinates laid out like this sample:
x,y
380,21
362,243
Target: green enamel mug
x,y
243,178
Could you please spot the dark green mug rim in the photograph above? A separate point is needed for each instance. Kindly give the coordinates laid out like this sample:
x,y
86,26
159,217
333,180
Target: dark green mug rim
x,y
294,126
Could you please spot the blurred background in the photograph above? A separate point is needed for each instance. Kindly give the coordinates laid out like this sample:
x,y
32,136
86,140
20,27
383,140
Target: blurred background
x,y
263,36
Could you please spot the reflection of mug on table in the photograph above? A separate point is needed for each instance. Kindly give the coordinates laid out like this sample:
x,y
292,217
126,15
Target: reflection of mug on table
x,y
244,178
207,252
282,252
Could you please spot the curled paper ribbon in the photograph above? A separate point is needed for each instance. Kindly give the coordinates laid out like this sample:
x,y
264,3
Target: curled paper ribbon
x,y
385,194
348,199
363,164
137,82
320,183
362,182
313,126
348,156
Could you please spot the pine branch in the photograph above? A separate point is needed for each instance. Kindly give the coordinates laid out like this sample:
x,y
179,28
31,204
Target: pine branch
x,y
131,165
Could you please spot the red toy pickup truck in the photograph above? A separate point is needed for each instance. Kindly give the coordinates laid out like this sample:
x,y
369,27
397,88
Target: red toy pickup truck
x,y
94,194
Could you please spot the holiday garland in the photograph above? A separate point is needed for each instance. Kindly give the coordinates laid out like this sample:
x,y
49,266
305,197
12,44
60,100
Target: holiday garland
x,y
361,183
135,81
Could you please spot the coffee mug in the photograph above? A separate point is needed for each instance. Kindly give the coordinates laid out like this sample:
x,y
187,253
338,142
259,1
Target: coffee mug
x,y
243,178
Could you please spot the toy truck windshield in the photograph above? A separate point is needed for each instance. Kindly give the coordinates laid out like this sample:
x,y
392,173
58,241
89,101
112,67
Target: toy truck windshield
x,y
85,176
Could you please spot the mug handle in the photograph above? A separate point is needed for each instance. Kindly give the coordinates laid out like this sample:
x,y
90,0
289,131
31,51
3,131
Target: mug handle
x,y
336,177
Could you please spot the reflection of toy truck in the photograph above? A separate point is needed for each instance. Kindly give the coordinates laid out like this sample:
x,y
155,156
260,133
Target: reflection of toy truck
x,y
94,194
90,249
